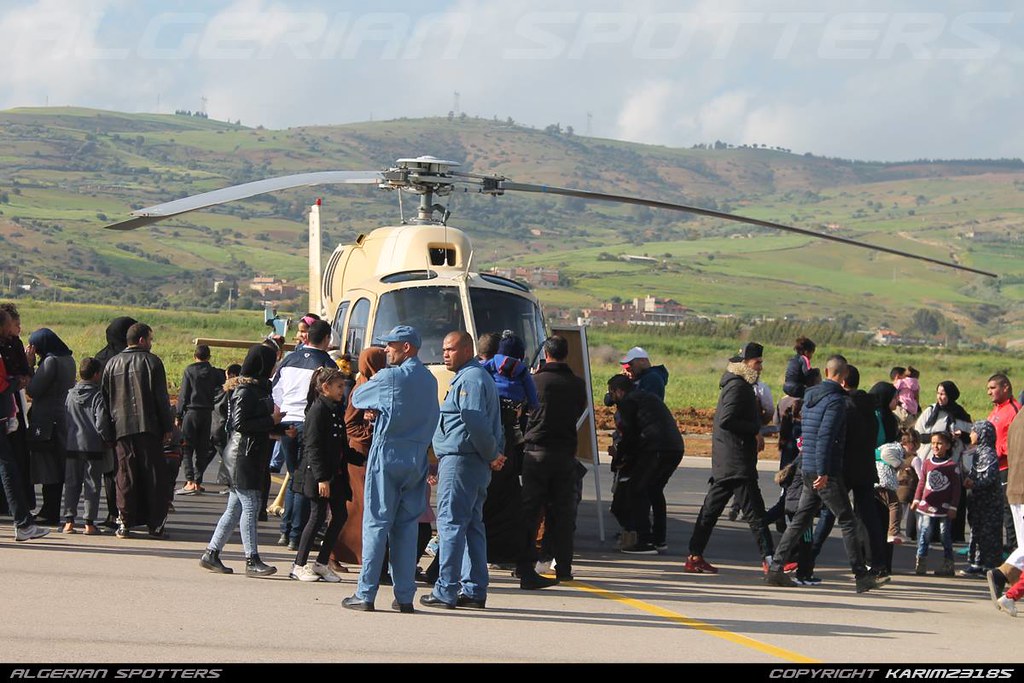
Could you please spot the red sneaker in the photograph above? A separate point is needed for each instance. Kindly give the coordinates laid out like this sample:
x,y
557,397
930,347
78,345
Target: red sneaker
x,y
790,567
696,564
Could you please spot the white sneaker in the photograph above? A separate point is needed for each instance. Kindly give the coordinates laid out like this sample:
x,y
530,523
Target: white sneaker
x,y
325,573
303,573
1007,605
30,532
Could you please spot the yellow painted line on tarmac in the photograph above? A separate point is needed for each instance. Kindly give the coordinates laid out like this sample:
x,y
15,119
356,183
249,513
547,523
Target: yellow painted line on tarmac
x,y
701,626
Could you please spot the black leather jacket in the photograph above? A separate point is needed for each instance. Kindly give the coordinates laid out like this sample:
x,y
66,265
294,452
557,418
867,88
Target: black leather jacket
x,y
250,422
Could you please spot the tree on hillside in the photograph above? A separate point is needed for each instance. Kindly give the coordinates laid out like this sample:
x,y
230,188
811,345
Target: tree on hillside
x,y
926,322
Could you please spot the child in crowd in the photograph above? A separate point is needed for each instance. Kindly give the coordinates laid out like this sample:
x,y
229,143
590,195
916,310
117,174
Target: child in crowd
x,y
889,459
89,434
790,478
908,387
218,426
936,500
985,512
322,476
173,450
511,373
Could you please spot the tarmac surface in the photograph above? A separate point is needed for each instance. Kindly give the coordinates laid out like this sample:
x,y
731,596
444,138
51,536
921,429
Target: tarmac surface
x,y
76,598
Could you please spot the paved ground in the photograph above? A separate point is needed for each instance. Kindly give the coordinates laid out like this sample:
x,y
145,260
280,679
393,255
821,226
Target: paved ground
x,y
78,598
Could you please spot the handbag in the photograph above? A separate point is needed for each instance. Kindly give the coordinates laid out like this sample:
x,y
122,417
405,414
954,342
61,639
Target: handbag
x,y
230,455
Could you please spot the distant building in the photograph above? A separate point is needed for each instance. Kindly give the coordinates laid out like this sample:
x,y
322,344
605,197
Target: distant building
x,y
650,310
631,258
886,337
274,289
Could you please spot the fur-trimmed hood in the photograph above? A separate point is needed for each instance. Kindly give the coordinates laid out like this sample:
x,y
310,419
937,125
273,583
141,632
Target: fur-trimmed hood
x,y
747,373
234,382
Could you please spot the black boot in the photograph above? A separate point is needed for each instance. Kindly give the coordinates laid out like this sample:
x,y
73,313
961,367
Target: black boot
x,y
254,567
211,560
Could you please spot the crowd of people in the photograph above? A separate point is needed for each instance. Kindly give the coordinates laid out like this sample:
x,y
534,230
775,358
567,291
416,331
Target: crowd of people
x,y
355,444
354,449
886,470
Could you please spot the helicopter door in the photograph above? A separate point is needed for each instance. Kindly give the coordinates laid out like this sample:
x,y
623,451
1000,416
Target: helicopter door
x,y
357,324
497,311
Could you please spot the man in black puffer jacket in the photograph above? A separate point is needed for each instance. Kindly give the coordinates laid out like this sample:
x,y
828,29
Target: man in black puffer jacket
x,y
824,443
735,442
653,447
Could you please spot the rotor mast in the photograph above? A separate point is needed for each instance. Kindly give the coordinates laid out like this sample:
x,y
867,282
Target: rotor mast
x,y
426,176
425,213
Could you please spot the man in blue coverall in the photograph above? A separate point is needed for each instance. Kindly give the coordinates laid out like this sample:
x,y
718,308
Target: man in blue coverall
x,y
404,398
467,443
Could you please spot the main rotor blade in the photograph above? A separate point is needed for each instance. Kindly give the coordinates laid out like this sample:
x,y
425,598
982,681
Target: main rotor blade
x,y
585,194
166,210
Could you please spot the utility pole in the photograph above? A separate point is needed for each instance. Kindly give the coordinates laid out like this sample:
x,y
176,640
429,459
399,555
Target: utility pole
x,y
455,108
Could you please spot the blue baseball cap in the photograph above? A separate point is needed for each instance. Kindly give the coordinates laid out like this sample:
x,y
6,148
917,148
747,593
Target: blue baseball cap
x,y
402,333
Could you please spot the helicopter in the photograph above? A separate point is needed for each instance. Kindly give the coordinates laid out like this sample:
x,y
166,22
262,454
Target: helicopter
x,y
419,272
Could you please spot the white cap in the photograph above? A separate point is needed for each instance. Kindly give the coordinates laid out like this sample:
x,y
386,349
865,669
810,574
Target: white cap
x,y
633,354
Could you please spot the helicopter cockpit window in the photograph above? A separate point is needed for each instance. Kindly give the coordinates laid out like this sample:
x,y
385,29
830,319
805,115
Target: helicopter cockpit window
x,y
338,326
433,311
357,327
496,311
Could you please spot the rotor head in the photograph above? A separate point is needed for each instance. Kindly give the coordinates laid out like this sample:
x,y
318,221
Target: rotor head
x,y
420,175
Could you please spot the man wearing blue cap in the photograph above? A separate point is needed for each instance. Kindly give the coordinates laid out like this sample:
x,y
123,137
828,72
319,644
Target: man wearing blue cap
x,y
404,398
468,445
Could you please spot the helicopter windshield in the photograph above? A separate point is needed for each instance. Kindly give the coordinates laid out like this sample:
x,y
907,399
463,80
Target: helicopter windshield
x,y
433,311
497,311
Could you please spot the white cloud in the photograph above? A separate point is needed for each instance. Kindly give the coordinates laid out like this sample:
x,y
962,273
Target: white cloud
x,y
644,113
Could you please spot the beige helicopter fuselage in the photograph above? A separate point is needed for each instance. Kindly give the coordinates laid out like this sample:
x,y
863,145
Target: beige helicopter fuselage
x,y
419,275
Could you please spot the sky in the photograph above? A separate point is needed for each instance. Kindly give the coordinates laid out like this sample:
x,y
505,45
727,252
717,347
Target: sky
x,y
874,80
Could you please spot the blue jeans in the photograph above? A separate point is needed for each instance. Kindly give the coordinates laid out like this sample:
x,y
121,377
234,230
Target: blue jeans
x,y
924,534
461,490
296,505
394,497
13,480
243,505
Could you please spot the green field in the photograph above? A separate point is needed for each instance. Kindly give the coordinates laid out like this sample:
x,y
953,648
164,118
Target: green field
x,y
695,363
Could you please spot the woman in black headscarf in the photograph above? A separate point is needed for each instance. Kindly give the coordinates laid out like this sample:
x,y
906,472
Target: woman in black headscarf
x,y
48,389
945,415
117,338
885,396
252,417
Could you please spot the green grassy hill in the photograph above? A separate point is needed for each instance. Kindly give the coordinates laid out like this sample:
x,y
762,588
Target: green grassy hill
x,y
66,172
